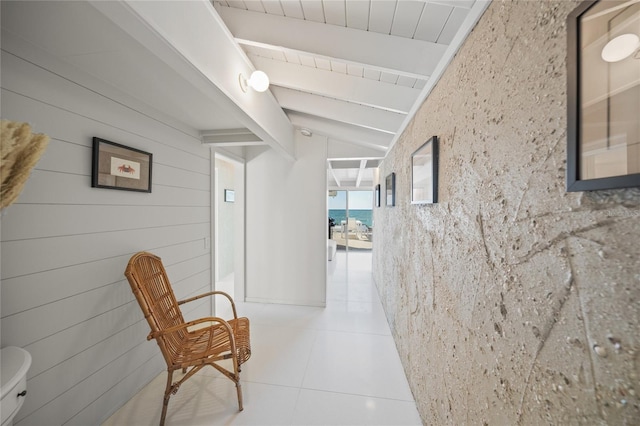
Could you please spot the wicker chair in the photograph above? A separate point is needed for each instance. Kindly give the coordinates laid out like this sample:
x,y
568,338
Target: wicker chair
x,y
186,345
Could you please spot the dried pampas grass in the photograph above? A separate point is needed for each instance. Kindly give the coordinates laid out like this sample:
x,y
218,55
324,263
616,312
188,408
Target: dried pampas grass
x,y
20,150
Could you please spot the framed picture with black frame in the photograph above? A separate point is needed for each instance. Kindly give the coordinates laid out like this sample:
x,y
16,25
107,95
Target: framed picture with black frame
x,y
390,189
117,166
424,173
603,94
377,195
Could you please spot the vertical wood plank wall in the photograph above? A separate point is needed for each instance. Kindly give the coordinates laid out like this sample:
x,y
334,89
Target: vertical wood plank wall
x,y
65,245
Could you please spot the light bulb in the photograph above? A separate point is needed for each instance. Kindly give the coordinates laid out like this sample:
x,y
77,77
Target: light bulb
x,y
620,47
259,81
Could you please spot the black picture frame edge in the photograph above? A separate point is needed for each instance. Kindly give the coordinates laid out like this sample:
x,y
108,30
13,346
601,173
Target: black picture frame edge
x,y
434,169
377,194
573,181
391,176
96,141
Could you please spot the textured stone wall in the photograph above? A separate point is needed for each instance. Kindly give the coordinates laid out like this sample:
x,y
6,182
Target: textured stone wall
x,y
511,301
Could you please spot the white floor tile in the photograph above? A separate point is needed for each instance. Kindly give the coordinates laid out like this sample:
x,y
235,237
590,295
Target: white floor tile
x,y
357,363
354,317
329,408
279,355
207,400
144,408
309,366
353,291
285,315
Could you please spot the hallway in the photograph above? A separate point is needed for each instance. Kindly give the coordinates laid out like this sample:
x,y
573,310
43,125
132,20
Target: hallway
x,y
310,366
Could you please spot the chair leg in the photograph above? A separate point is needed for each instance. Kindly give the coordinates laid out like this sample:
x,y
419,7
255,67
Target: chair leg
x,y
167,395
239,390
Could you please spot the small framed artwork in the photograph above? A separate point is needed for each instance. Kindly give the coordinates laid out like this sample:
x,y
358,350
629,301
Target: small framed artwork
x,y
377,195
229,196
390,188
603,95
117,166
424,173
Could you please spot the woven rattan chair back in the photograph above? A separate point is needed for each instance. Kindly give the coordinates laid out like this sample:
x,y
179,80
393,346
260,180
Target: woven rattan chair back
x,y
186,346
157,301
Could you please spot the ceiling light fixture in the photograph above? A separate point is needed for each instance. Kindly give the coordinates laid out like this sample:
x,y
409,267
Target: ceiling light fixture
x,y
306,132
259,81
620,47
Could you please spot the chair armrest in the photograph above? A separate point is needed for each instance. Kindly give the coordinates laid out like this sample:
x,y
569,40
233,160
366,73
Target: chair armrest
x,y
185,326
205,330
212,293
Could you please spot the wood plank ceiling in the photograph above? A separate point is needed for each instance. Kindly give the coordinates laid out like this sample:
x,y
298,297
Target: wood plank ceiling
x,y
354,71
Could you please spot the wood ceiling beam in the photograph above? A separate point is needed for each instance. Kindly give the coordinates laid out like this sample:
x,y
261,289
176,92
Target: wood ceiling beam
x,y
343,150
206,54
367,92
340,131
466,4
231,137
333,173
363,165
333,109
366,47
349,63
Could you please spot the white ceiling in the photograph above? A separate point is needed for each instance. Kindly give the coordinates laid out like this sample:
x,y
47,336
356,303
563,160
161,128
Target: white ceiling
x,y
354,71
76,33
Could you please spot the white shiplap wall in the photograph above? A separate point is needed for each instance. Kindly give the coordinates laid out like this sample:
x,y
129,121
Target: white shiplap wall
x,y
65,245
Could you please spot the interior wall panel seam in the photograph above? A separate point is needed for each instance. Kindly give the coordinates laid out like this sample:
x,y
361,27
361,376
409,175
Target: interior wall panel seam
x,y
122,330
106,232
63,392
106,124
121,104
155,248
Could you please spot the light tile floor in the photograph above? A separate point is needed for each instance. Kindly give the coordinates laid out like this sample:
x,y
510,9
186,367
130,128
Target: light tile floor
x,y
310,366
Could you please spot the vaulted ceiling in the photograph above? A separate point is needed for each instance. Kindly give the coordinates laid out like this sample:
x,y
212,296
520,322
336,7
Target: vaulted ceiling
x,y
352,70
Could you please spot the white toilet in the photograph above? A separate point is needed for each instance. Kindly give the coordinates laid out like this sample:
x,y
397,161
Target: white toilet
x,y
14,364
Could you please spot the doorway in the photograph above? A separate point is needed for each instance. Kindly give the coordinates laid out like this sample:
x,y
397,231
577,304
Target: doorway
x,y
351,219
228,250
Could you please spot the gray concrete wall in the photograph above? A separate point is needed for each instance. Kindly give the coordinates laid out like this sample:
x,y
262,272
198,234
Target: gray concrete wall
x,y
511,301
